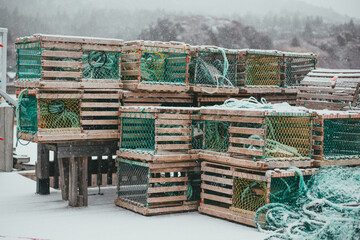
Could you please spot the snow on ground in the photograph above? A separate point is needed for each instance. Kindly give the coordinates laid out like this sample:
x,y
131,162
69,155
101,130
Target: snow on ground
x,y
24,214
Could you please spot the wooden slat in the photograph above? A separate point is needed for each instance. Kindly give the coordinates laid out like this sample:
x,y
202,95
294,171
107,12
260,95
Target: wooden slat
x,y
99,105
217,179
250,131
166,189
60,74
168,179
98,113
247,141
99,122
61,54
171,130
172,146
63,64
69,46
216,198
166,199
217,189
172,138
246,151
172,122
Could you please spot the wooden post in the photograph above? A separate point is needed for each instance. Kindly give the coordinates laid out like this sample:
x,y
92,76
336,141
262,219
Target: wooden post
x,y
42,170
56,172
110,169
64,177
6,133
78,193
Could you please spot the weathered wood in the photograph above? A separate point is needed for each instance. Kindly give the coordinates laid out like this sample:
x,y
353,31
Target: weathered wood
x,y
6,132
83,188
73,182
64,177
42,170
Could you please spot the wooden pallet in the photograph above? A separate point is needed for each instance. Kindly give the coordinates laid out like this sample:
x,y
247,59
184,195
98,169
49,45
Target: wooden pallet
x,y
297,66
210,55
330,89
59,62
142,98
240,129
152,189
227,192
171,75
261,69
97,111
157,134
348,137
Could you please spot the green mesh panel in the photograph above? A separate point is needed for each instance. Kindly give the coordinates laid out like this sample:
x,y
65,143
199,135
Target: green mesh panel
x,y
288,137
197,134
28,114
138,133
250,194
59,113
100,65
29,61
297,68
262,70
217,136
209,69
162,67
341,138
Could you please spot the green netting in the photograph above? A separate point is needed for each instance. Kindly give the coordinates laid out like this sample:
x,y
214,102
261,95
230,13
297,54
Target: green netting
x,y
327,208
213,69
138,132
288,137
59,113
262,70
216,136
29,61
341,138
100,65
26,113
250,194
159,66
297,68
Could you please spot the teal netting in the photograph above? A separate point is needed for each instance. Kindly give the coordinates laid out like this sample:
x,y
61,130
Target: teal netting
x,y
29,61
26,113
216,136
341,138
100,65
327,208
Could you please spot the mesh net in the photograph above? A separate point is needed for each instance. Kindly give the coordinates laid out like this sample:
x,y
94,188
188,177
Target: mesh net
x,y
327,208
197,134
59,113
138,132
288,137
214,69
100,65
262,70
27,121
251,194
341,138
159,66
216,136
29,61
297,68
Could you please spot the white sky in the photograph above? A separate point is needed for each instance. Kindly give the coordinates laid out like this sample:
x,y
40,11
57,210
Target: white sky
x,y
348,7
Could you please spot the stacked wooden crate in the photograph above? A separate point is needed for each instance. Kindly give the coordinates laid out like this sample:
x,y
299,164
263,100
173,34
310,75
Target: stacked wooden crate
x,y
73,88
243,151
69,91
158,171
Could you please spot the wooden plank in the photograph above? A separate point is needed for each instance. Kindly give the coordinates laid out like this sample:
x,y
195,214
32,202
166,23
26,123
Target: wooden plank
x,y
172,122
246,151
63,64
248,141
83,181
249,131
217,179
60,74
172,138
233,119
166,189
99,122
216,170
171,130
67,46
3,159
326,96
64,177
168,179
98,113
151,200
217,189
90,47
172,146
61,54
99,105
216,198
42,170
73,182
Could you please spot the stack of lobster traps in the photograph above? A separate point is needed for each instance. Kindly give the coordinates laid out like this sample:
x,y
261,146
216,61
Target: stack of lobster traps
x,y
158,171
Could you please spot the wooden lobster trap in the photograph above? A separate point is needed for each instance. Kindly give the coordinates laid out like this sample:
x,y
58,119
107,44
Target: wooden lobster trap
x,y
235,194
337,138
213,70
297,66
51,62
257,138
157,134
332,89
68,115
158,188
155,66
261,68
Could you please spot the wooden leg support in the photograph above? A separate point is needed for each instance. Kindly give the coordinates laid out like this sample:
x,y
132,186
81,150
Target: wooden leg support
x,y
64,177
42,170
78,193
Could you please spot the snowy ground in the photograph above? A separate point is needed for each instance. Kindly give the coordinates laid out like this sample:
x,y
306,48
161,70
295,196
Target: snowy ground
x,y
26,215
